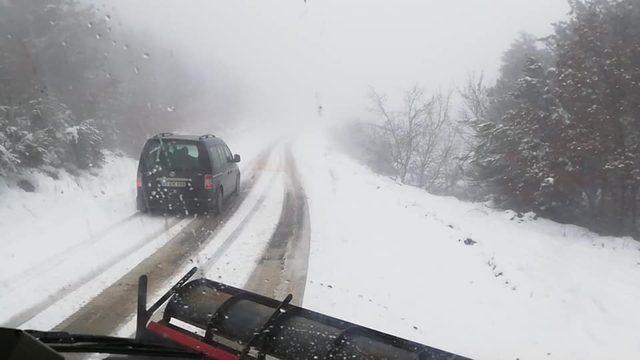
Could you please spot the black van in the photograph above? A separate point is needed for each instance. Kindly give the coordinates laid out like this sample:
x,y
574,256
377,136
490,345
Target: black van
x,y
186,173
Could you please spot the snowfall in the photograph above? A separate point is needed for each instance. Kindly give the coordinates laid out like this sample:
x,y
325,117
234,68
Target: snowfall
x,y
464,277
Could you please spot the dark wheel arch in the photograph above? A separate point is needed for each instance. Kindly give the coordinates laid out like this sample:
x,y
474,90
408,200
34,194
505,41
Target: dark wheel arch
x,y
218,201
236,191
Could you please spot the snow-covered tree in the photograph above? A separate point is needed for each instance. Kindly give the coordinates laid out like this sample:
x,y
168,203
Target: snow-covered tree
x,y
598,85
63,62
560,131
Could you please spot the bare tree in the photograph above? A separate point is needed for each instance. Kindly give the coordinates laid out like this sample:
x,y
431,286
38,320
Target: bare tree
x,y
474,112
475,99
422,134
429,150
404,127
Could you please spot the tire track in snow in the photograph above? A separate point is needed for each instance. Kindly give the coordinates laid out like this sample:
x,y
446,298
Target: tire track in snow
x,y
232,233
29,313
283,267
211,260
60,257
116,304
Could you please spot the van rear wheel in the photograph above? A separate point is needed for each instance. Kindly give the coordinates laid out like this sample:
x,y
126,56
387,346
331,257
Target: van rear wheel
x,y
217,205
236,191
141,205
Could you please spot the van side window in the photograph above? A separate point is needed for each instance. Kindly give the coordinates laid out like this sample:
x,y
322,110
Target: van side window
x,y
217,160
228,152
223,155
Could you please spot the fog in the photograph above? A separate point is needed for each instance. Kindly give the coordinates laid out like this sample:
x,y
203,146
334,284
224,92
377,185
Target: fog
x,y
284,58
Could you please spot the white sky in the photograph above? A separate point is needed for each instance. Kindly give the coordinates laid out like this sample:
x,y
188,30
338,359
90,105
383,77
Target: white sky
x,y
285,54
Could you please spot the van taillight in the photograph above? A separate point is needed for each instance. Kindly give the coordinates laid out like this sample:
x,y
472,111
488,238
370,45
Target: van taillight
x,y
208,182
139,181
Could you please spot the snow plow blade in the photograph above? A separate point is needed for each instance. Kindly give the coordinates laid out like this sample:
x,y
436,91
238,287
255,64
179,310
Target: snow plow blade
x,y
224,322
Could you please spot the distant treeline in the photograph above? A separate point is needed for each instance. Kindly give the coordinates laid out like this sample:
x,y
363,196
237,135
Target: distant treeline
x,y
73,82
558,133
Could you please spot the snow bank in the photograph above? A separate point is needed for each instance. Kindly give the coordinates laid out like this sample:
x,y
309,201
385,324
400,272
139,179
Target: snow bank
x,y
62,213
65,234
461,276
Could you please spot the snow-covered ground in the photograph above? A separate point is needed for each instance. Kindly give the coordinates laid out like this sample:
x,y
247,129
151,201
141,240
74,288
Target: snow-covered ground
x,y
67,232
394,258
62,213
76,235
459,276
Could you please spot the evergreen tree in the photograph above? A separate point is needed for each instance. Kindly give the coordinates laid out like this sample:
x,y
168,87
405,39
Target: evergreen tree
x,y
506,136
560,132
598,84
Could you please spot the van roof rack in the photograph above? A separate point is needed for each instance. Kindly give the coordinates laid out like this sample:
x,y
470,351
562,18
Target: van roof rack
x,y
164,134
207,136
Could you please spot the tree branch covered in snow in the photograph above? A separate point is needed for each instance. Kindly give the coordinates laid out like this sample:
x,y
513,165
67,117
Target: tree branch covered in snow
x,y
70,86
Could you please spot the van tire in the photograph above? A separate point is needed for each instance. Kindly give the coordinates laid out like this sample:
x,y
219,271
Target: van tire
x,y
218,202
141,206
236,191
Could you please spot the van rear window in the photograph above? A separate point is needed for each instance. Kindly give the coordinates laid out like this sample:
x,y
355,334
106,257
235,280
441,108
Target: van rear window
x,y
171,155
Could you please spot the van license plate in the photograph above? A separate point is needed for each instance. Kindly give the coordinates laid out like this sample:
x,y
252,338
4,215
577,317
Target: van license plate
x,y
174,183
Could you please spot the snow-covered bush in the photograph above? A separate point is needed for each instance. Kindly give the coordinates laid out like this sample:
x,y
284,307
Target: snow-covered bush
x,y
85,141
46,134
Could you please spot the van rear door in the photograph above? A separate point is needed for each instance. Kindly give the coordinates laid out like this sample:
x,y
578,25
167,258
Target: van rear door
x,y
174,167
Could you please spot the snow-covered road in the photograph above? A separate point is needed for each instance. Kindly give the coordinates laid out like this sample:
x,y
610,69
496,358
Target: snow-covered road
x,y
75,237
458,276
114,306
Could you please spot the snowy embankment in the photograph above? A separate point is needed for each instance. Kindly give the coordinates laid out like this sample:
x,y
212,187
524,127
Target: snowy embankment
x,y
66,233
461,276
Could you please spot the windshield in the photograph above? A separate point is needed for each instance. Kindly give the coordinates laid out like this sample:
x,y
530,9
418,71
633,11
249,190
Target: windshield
x,y
464,175
171,155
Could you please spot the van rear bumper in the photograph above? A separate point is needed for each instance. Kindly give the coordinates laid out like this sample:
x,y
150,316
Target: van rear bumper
x,y
201,201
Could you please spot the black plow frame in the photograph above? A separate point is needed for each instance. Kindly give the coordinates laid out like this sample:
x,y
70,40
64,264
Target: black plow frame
x,y
238,324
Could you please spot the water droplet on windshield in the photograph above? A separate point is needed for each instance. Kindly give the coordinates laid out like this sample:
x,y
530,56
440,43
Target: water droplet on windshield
x,y
90,24
171,108
63,43
136,70
98,36
107,17
146,55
